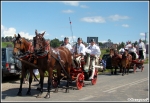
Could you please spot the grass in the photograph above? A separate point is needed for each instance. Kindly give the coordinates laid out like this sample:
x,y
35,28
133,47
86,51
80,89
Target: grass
x,y
4,44
146,61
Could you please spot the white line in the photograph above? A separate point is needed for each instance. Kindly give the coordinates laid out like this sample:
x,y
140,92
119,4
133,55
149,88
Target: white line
x,y
132,83
86,98
111,91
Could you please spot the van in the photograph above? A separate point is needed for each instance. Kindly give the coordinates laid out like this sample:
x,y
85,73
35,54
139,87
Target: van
x,y
10,66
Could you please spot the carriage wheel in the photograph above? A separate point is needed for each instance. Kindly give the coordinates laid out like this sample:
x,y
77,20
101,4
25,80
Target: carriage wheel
x,y
94,80
80,81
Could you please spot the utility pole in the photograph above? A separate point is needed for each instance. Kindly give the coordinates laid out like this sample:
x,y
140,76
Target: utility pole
x,y
145,38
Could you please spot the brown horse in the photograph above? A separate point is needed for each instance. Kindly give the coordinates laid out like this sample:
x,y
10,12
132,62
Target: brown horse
x,y
58,58
126,62
115,61
21,48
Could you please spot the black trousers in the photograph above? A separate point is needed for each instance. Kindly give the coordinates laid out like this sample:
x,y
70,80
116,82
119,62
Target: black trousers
x,y
141,56
133,55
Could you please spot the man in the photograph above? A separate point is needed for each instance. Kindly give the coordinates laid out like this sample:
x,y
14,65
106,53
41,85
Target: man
x,y
95,54
133,52
79,52
141,49
67,44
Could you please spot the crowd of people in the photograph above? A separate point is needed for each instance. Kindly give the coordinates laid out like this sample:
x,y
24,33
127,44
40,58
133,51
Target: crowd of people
x,y
137,51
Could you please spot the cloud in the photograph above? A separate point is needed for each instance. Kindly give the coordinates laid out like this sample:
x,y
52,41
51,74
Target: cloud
x,y
103,41
84,6
26,35
142,34
125,25
7,31
67,11
117,17
71,3
62,36
96,19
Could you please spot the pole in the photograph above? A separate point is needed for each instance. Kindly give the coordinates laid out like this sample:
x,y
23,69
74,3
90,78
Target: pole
x,y
71,29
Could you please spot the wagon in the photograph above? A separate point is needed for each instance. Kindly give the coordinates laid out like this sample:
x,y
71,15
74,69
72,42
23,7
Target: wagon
x,y
79,76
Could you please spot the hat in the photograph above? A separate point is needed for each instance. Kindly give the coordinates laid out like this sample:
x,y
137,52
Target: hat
x,y
66,38
92,40
79,38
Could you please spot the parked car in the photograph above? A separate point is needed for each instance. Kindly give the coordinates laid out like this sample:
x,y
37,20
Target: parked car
x,y
10,66
106,61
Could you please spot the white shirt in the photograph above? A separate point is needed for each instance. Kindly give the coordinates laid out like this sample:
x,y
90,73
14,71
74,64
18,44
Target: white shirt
x,y
141,46
133,49
121,50
80,48
95,50
128,46
68,46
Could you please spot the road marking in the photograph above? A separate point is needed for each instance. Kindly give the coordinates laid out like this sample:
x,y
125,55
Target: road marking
x,y
111,91
132,83
86,98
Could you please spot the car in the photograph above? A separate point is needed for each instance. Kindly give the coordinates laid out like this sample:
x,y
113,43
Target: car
x,y
10,66
106,61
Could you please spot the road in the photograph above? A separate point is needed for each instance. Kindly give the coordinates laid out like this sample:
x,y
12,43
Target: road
x,y
132,87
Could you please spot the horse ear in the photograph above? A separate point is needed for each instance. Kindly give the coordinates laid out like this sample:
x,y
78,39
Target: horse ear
x,y
19,35
43,33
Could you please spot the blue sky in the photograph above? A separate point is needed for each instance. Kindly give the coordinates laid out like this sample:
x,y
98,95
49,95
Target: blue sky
x,y
117,21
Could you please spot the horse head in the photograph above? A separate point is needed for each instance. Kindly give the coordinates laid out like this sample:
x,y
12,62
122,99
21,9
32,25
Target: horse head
x,y
20,45
39,41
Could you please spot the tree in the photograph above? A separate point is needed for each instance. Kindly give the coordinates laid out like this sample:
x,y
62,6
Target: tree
x,y
109,40
55,43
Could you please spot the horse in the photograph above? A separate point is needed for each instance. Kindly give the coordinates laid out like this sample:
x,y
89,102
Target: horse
x,y
115,60
58,58
126,62
21,48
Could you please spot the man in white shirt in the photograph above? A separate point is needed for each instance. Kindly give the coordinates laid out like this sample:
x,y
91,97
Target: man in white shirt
x,y
141,49
67,44
95,54
133,52
79,52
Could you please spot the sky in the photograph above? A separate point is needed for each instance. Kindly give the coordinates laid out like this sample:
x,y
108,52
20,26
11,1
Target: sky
x,y
117,21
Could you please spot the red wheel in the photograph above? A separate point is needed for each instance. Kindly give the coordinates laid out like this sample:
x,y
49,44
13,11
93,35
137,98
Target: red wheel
x,y
80,81
93,81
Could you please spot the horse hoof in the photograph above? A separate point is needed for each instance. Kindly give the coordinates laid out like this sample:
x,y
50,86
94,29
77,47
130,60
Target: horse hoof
x,y
67,91
38,96
47,97
19,94
111,72
122,74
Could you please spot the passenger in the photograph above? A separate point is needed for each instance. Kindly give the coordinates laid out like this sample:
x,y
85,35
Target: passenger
x,y
95,54
79,52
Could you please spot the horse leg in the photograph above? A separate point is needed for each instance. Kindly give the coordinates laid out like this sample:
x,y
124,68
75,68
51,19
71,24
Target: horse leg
x,y
30,81
49,83
123,71
58,79
115,71
112,70
68,79
41,83
21,81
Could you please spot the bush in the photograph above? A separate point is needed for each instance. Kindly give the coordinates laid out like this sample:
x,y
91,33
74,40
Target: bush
x,y
107,50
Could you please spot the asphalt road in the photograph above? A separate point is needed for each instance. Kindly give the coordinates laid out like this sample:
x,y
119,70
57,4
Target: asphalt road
x,y
132,87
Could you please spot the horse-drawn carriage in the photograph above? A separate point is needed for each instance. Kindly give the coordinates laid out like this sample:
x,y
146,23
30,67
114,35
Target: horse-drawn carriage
x,y
59,58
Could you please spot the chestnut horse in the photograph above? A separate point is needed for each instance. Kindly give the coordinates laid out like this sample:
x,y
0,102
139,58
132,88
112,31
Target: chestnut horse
x,y
115,61
21,48
126,62
58,58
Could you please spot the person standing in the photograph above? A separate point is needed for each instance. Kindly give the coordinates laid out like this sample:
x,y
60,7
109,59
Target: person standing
x,y
141,49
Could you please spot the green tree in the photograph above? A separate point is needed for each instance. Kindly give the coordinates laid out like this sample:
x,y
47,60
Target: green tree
x,y
55,43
